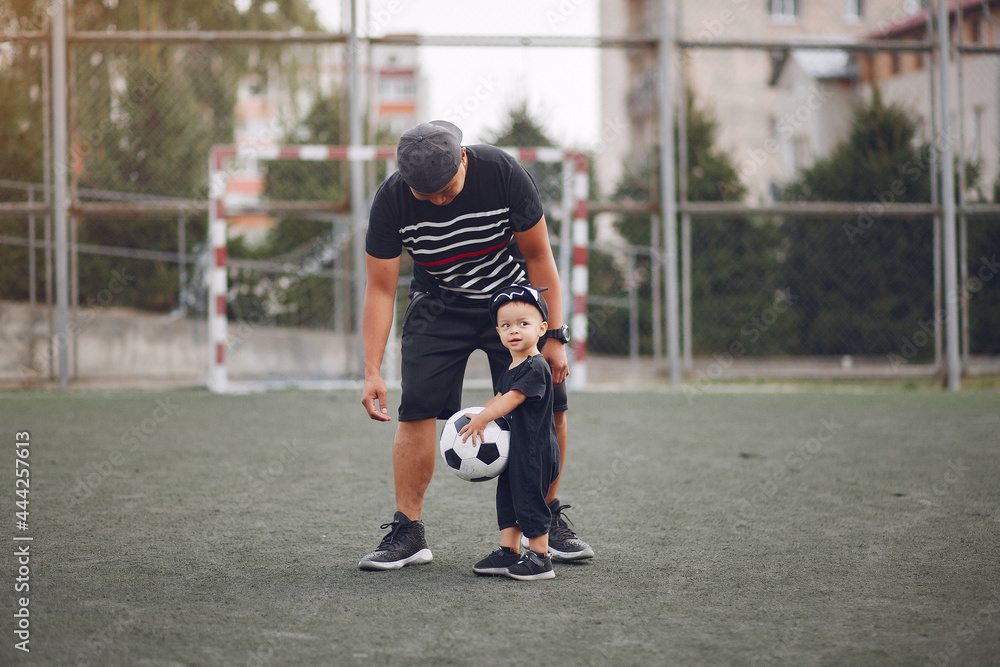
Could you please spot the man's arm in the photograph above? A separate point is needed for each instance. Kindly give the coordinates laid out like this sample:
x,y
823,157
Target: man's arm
x,y
376,322
534,246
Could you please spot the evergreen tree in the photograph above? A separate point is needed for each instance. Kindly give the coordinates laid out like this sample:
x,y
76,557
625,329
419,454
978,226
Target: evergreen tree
x,y
735,273
864,283
521,129
983,286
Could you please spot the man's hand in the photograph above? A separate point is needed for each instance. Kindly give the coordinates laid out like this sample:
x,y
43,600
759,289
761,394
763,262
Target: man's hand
x,y
555,353
374,398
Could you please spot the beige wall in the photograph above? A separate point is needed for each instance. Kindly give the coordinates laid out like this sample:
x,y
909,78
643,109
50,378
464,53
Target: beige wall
x,y
979,109
122,345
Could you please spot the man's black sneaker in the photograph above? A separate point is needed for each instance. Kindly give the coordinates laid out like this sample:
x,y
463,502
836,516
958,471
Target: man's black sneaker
x,y
532,567
564,545
404,545
497,562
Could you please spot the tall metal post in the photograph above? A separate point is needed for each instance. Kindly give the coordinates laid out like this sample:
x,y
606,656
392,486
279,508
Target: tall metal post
x,y
963,222
60,149
948,202
935,196
47,198
668,201
357,181
656,258
683,168
683,159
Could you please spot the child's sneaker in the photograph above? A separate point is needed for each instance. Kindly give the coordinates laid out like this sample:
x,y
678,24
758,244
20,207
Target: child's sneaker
x,y
497,563
531,567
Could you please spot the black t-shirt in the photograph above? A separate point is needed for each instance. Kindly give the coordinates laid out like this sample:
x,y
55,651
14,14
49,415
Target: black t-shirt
x,y
531,425
465,249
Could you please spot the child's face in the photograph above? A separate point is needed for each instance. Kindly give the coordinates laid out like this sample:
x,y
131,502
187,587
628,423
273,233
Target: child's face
x,y
520,326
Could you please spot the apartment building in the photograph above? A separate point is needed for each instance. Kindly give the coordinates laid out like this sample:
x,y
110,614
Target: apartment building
x,y
776,110
974,100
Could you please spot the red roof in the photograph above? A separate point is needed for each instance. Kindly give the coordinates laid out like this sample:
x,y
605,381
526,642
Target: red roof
x,y
919,20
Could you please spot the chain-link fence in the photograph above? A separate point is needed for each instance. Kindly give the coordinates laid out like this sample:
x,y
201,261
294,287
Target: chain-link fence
x,y
810,207
811,215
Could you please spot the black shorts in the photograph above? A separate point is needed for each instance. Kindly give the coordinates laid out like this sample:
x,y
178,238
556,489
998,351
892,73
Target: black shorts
x,y
437,342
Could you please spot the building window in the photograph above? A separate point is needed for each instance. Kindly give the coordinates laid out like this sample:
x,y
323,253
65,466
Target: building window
x,y
783,11
853,10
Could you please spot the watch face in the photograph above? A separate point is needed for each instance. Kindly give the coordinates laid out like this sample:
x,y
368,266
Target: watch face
x,y
561,334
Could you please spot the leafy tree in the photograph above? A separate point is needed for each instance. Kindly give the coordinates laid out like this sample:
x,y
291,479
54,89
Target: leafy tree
x,y
143,119
20,139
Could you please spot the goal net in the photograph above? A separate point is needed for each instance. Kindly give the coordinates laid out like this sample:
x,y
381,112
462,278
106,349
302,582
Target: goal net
x,y
284,269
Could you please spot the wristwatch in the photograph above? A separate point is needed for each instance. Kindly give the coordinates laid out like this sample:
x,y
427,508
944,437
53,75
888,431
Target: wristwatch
x,y
561,334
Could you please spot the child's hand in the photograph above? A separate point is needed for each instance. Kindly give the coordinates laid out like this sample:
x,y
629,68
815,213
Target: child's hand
x,y
475,428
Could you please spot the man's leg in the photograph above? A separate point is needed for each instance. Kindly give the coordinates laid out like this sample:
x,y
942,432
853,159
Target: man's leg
x,y
413,458
413,466
564,545
436,343
562,435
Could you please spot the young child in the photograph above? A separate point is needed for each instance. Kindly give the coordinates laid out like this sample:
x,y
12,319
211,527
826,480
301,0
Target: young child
x,y
524,397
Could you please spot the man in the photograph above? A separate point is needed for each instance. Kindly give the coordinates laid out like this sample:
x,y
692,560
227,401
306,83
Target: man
x,y
472,221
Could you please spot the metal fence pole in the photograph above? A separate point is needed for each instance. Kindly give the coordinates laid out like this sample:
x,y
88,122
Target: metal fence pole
x,y
935,196
656,257
73,340
60,128
47,198
633,309
357,183
948,203
181,263
31,253
683,168
963,221
668,203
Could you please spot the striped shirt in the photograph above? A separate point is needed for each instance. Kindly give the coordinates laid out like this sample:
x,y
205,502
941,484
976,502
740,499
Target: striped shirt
x,y
465,249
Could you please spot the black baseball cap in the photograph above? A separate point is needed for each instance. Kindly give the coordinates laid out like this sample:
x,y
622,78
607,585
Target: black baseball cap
x,y
429,155
525,293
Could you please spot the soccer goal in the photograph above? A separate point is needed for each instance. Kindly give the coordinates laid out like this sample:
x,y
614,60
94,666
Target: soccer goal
x,y
284,273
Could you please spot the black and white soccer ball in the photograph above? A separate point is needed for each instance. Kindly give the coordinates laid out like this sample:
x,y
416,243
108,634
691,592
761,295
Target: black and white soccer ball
x,y
481,462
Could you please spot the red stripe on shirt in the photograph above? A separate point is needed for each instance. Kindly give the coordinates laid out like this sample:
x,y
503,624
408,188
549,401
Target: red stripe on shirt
x,y
467,254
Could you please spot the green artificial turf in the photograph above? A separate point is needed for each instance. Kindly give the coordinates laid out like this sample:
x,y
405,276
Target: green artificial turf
x,y
738,528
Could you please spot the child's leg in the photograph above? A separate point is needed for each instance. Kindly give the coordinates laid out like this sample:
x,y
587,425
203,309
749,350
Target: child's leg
x,y
511,538
540,544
